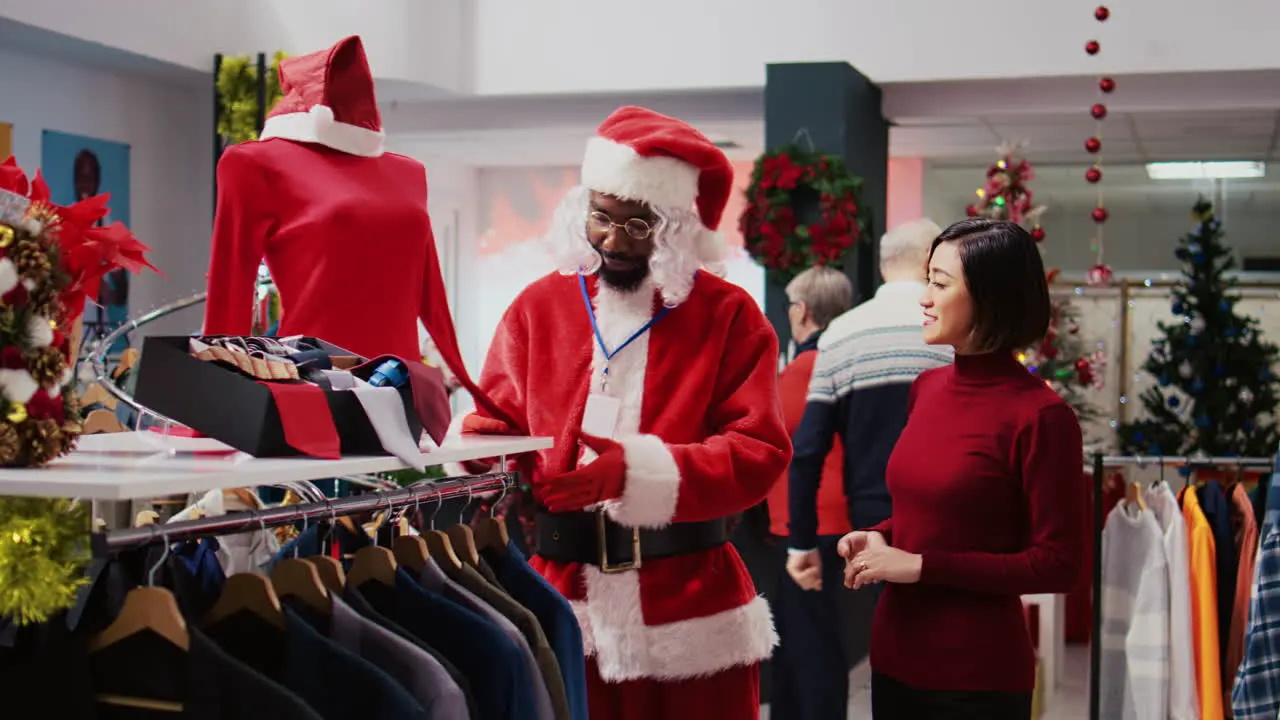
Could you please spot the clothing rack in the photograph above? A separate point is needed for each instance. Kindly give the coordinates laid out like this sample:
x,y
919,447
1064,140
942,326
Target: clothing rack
x,y
1100,465
427,491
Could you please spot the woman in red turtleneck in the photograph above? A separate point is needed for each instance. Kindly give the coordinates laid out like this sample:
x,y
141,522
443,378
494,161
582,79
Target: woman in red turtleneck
x,y
987,500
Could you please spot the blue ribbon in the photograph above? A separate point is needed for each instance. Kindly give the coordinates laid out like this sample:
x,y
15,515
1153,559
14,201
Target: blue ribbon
x,y
595,327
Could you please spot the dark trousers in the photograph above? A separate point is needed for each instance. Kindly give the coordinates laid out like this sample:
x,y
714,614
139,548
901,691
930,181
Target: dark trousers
x,y
891,700
810,670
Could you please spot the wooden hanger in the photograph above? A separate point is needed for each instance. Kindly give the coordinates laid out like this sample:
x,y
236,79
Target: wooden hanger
x,y
492,535
372,563
95,394
244,495
411,552
146,608
330,572
102,421
300,579
441,550
146,517
128,359
247,592
464,544
1133,495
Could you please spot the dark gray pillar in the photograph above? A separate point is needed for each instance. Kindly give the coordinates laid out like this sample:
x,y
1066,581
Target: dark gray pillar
x,y
839,109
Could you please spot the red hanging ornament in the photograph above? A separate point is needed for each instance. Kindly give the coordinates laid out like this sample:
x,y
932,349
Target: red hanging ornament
x,y
1100,215
1099,274
1093,174
1102,13
1092,47
1098,111
1093,145
1037,233
971,211
1107,85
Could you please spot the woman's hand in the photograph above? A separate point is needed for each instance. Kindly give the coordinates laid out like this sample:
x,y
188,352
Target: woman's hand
x,y
857,541
882,564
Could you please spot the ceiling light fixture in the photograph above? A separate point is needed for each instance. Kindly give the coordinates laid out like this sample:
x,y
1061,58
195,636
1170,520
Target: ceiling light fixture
x,y
1206,170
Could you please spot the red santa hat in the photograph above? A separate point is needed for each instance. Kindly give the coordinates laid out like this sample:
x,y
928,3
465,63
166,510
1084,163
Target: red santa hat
x,y
329,100
640,155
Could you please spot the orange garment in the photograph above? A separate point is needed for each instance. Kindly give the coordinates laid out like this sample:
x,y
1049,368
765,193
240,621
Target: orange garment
x,y
833,513
1247,550
1204,606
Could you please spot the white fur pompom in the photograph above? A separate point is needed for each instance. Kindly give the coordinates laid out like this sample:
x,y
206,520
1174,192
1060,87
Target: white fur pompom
x,y
39,331
8,275
710,246
17,385
33,226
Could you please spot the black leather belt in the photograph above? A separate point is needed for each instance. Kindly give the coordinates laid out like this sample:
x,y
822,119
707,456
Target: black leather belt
x,y
594,539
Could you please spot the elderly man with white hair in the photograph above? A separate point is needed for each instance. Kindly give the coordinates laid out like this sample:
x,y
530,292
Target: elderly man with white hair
x,y
867,359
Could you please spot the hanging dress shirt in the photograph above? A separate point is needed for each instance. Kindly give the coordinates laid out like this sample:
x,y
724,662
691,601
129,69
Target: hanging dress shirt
x,y
1204,605
1184,701
1134,678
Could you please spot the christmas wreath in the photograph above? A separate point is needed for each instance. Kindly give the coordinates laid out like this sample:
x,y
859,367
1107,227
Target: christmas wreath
x,y
52,259
802,210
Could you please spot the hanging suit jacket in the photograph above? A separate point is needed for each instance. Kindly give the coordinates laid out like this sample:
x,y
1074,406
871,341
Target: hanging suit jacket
x,y
491,662
216,685
555,616
415,670
336,683
468,588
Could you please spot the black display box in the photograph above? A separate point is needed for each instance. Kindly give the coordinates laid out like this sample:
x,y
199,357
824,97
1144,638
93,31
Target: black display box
x,y
226,405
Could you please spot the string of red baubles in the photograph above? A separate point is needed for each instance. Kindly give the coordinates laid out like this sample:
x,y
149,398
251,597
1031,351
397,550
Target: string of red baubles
x,y
1100,273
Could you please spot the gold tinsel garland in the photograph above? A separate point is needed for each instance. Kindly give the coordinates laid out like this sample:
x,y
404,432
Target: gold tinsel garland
x,y
237,84
43,550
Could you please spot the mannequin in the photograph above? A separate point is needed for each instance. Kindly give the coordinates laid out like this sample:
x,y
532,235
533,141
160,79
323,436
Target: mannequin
x,y
342,223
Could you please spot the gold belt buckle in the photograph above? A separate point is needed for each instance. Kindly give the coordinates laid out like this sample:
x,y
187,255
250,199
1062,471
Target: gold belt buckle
x,y
603,539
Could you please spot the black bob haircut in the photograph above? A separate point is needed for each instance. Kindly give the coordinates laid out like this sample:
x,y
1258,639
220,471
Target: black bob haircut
x,y
1005,276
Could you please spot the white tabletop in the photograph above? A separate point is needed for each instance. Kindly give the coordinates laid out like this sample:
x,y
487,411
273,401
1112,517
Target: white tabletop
x,y
125,466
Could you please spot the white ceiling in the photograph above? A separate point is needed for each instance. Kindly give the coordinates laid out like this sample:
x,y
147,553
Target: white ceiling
x,y
1137,137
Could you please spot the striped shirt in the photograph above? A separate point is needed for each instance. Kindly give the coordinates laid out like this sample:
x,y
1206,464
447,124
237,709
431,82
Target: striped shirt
x,y
867,360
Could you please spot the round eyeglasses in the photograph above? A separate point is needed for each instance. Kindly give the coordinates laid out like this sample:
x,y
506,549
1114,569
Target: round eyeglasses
x,y
636,228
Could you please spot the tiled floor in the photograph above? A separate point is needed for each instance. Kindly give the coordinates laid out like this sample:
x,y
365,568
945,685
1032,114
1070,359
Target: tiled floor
x,y
1069,702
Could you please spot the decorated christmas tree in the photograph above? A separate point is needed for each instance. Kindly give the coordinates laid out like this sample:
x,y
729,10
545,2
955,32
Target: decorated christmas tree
x,y
1215,391
1060,359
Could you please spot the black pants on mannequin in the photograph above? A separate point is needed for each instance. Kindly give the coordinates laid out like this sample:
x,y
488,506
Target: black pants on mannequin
x,y
891,700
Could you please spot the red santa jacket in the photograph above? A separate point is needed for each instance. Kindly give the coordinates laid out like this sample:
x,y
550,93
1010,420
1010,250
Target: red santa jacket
x,y
704,438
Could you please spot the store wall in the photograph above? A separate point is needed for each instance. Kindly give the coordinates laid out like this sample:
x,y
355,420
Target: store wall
x,y
168,128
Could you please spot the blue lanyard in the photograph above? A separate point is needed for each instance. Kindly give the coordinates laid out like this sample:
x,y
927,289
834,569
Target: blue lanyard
x,y
595,327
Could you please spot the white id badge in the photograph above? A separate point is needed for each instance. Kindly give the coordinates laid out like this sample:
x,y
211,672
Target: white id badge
x,y
601,416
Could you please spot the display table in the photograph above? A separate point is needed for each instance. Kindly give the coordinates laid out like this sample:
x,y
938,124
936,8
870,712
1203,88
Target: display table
x,y
136,465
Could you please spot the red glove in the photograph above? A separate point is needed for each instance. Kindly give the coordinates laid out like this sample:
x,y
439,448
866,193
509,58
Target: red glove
x,y
603,479
474,424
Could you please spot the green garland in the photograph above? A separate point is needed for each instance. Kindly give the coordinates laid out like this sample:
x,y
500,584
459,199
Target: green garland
x,y
44,546
237,84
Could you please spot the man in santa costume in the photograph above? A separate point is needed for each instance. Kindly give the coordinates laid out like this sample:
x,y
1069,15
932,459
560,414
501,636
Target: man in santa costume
x,y
658,380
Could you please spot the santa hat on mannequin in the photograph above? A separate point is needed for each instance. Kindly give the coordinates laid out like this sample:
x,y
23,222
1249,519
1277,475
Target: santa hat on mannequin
x,y
644,156
328,99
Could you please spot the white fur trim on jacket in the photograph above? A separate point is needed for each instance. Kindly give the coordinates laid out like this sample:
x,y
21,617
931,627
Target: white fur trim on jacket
x,y
652,486
613,631
319,126
617,170
710,246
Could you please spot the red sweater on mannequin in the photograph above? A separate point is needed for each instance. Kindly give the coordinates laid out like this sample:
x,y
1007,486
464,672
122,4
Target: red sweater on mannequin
x,y
342,224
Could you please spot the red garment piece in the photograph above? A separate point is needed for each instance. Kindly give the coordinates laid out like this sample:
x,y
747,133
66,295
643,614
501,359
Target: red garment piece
x,y
730,695
702,436
342,224
833,511
985,481
308,423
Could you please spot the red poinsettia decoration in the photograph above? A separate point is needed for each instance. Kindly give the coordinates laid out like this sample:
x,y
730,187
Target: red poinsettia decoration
x,y
87,252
